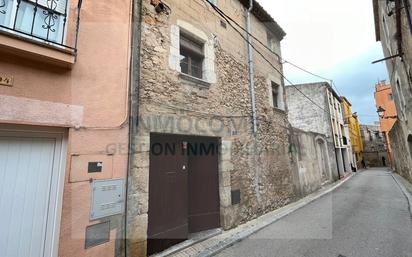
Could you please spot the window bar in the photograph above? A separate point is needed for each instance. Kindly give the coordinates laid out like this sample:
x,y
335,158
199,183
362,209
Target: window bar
x,y
17,12
79,6
64,22
34,16
2,4
50,14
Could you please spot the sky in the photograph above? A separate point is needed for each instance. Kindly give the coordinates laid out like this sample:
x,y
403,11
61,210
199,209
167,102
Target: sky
x,y
335,39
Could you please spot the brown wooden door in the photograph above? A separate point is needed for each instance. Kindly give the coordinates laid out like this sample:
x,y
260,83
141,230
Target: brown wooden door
x,y
204,207
168,193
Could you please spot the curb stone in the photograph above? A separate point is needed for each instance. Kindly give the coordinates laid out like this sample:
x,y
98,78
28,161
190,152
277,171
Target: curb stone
x,y
405,192
262,222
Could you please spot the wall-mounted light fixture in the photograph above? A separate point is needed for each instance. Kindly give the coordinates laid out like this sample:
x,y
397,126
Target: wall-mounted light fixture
x,y
381,112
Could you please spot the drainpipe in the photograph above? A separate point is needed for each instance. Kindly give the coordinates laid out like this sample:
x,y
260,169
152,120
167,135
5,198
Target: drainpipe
x,y
251,67
407,5
134,82
253,99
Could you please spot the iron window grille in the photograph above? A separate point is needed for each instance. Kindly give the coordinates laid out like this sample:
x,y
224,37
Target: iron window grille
x,y
191,56
44,21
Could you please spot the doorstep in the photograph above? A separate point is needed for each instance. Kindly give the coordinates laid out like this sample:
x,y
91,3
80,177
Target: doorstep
x,y
194,238
225,239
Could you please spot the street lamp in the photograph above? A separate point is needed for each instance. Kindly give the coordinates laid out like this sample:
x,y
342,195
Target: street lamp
x,y
381,112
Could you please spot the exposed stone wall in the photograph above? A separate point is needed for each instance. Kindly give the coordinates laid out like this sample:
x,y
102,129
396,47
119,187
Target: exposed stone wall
x,y
400,152
171,103
374,149
400,72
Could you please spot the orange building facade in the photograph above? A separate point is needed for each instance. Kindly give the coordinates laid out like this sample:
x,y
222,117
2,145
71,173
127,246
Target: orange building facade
x,y
64,80
384,101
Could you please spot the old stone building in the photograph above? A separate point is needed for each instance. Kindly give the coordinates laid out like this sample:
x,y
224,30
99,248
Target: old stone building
x,y
375,150
322,115
202,159
393,26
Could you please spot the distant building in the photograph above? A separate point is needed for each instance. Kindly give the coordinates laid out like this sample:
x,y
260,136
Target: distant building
x,y
385,103
375,150
323,116
393,26
352,122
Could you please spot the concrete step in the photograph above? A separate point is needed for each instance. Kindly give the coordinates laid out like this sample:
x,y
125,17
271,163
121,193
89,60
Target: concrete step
x,y
195,238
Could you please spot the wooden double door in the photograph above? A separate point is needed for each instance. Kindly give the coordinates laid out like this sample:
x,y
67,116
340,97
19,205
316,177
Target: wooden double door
x,y
183,188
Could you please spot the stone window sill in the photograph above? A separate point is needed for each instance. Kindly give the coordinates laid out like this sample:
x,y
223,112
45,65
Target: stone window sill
x,y
276,109
32,49
193,80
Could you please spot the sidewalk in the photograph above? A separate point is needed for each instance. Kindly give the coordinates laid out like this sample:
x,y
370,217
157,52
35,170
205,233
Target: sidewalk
x,y
405,187
225,239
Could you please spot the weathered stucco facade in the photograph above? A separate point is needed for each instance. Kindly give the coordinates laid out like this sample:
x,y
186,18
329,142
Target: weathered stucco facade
x,y
384,100
324,117
218,105
352,122
313,160
76,96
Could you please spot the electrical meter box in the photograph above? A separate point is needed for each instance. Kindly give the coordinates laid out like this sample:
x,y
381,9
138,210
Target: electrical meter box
x,y
107,198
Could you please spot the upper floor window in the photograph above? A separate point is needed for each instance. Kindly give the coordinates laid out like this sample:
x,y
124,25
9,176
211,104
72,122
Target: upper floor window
x,y
272,42
275,94
401,98
191,56
390,97
41,19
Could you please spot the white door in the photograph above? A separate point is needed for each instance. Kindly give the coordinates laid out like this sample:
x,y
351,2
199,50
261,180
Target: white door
x,y
30,178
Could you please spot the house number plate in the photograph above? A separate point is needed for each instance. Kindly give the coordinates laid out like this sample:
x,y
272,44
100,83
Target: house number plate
x,y
6,80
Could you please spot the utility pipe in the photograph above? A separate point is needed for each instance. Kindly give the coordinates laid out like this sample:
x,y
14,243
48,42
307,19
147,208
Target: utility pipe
x,y
251,67
253,98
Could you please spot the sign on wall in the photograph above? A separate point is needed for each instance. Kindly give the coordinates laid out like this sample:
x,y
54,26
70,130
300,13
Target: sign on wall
x,y
6,80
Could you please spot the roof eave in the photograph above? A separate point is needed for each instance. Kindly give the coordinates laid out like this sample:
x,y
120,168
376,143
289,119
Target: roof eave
x,y
262,15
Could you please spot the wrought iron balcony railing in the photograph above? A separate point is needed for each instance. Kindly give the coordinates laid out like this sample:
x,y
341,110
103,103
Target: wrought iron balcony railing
x,y
54,22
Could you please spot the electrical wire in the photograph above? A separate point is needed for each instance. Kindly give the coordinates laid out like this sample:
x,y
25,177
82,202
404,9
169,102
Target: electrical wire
x,y
281,59
220,12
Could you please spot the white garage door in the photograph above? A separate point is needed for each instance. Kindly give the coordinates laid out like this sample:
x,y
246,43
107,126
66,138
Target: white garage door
x,y
29,189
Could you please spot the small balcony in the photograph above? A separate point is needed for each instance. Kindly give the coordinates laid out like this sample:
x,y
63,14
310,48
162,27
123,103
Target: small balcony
x,y
44,30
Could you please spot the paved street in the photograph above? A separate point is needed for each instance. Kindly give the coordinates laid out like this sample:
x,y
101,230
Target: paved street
x,y
367,216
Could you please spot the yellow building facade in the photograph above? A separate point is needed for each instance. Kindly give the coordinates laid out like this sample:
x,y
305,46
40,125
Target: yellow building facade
x,y
351,119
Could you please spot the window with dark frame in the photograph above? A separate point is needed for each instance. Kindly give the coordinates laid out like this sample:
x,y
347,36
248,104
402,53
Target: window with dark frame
x,y
191,56
275,94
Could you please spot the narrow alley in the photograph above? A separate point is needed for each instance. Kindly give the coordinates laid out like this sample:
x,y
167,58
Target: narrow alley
x,y
367,216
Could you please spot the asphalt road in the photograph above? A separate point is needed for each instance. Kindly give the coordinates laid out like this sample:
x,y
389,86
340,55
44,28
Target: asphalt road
x,y
366,217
